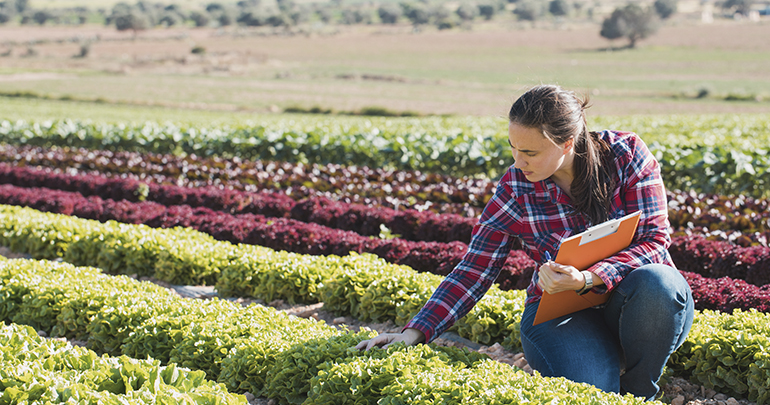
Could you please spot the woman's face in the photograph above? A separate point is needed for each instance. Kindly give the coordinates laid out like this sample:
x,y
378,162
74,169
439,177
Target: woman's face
x,y
537,156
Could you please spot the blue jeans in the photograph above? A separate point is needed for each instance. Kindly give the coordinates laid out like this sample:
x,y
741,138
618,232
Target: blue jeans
x,y
647,317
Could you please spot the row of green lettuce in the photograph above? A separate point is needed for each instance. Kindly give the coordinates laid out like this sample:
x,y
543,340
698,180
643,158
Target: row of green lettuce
x,y
254,349
34,369
363,286
728,352
711,154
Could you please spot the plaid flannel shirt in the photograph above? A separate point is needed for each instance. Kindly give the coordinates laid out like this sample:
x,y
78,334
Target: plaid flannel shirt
x,y
541,215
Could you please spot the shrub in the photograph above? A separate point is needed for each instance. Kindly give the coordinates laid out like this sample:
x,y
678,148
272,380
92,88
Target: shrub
x,y
389,13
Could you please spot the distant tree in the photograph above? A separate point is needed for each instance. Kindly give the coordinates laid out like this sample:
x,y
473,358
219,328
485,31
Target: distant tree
x,y
170,19
526,11
300,15
740,6
248,3
325,14
630,21
152,11
440,12
356,15
251,17
467,12
389,13
5,16
19,6
225,18
200,19
487,10
614,27
558,8
121,8
665,8
42,16
133,20
215,7
144,5
175,8
417,13
279,20
286,5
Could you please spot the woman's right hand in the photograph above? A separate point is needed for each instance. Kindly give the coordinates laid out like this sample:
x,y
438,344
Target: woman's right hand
x,y
409,336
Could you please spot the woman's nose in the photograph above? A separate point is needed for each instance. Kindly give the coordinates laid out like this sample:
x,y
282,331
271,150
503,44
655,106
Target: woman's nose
x,y
518,163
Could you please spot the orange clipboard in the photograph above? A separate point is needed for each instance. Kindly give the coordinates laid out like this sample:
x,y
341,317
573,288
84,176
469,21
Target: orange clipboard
x,y
583,251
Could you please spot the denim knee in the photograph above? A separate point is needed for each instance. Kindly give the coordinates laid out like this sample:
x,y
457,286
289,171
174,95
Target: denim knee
x,y
656,280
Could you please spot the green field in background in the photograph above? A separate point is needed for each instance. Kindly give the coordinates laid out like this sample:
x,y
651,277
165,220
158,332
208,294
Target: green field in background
x,y
461,73
740,131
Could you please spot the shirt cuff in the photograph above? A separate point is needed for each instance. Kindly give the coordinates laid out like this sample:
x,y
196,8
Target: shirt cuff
x,y
426,331
604,271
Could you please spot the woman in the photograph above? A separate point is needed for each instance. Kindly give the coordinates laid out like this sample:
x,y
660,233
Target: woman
x,y
564,180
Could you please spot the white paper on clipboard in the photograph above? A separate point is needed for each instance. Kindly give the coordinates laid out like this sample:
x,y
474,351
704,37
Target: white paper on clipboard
x,y
599,231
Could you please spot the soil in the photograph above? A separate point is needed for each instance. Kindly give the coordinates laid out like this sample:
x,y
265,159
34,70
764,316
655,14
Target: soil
x,y
678,392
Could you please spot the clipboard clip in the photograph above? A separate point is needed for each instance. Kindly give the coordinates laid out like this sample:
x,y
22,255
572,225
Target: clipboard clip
x,y
599,231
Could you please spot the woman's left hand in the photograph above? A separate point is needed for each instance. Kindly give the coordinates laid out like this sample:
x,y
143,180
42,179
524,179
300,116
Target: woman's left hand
x,y
555,278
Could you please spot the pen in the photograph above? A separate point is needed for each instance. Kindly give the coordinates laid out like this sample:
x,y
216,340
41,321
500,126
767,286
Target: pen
x,y
547,256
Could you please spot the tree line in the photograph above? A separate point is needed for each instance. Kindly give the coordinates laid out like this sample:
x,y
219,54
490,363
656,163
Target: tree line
x,y
633,21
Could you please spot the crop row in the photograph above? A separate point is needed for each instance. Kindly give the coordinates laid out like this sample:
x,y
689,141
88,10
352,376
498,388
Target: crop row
x,y
359,184
367,221
364,286
265,352
724,167
727,352
741,220
275,233
692,253
38,370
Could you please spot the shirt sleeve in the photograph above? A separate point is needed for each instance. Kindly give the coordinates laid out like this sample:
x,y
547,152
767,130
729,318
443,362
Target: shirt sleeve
x,y
473,276
643,190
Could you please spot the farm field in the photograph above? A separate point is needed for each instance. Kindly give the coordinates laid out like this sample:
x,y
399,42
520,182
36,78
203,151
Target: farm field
x,y
145,162
369,286
477,72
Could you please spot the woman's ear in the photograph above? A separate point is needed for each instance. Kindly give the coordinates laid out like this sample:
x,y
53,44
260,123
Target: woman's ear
x,y
569,145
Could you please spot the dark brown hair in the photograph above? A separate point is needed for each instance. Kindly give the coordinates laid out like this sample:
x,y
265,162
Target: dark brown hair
x,y
560,115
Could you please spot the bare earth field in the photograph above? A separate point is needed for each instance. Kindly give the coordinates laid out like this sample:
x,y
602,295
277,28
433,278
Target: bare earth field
x,y
465,72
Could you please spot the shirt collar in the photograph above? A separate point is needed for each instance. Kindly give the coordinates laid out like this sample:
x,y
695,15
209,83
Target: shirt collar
x,y
547,189
541,191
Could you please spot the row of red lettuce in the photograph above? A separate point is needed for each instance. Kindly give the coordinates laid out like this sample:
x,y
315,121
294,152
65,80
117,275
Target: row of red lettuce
x,y
744,221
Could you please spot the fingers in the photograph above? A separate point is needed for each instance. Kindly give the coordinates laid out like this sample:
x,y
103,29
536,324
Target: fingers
x,y
545,278
562,269
379,341
554,278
